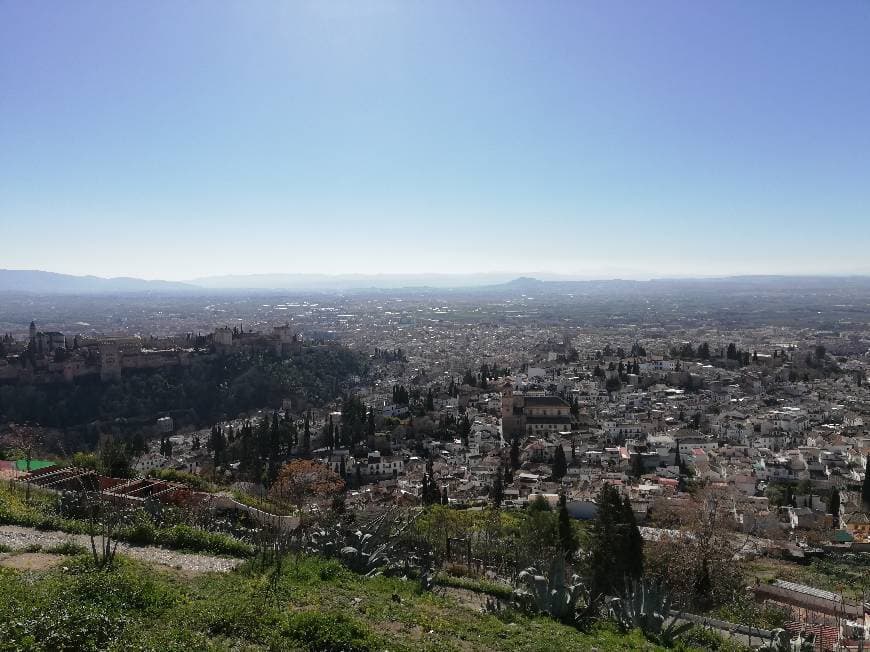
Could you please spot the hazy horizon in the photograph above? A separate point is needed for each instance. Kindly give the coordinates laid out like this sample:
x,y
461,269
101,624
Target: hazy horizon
x,y
591,140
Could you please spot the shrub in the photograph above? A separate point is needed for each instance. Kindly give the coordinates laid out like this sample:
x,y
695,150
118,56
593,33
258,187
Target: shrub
x,y
329,632
698,638
67,548
186,537
141,530
190,479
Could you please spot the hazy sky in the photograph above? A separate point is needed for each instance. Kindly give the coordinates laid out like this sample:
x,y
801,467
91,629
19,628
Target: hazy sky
x,y
180,139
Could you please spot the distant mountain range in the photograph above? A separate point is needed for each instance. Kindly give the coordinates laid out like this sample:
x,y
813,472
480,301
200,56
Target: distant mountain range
x,y
40,282
348,281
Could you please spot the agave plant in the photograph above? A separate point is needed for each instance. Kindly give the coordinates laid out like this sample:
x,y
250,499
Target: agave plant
x,y
647,606
781,641
325,541
366,552
550,594
369,548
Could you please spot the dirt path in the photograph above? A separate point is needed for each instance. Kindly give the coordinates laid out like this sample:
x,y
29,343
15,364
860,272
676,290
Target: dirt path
x,y
20,538
32,561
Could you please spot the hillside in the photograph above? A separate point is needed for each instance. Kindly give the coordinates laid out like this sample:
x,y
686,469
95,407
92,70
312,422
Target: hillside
x,y
40,282
310,604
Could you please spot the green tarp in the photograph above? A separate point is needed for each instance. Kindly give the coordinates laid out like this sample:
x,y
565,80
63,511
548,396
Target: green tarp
x,y
21,465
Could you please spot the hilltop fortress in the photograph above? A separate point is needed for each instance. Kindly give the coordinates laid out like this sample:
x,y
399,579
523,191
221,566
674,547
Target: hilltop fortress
x,y
51,357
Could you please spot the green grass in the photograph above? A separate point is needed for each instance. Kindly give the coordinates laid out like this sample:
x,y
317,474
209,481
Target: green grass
x,y
14,510
38,513
66,548
312,604
197,482
495,589
840,573
263,503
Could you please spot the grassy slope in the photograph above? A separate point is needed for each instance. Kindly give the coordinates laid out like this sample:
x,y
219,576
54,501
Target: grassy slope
x,y
313,605
843,574
39,513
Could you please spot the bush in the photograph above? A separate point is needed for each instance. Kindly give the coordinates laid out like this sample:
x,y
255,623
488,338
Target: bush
x,y
190,479
79,609
698,638
185,537
486,587
328,632
67,548
69,626
141,531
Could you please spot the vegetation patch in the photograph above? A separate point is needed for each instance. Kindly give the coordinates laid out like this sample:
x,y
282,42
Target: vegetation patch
x,y
312,604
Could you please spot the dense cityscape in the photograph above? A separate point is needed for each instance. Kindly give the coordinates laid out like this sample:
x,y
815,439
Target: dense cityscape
x,y
487,430
383,326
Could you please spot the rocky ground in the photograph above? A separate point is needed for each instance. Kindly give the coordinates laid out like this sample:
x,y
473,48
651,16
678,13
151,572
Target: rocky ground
x,y
21,538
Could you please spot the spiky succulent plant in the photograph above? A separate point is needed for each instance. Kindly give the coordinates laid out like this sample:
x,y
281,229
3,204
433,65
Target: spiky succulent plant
x,y
550,594
647,606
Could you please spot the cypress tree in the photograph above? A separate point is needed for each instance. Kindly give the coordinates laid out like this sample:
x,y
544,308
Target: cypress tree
x,y
834,506
637,465
703,588
370,423
515,453
497,490
633,542
218,444
865,488
616,547
560,465
567,537
306,438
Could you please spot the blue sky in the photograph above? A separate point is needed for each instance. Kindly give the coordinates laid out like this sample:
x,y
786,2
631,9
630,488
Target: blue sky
x,y
182,139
